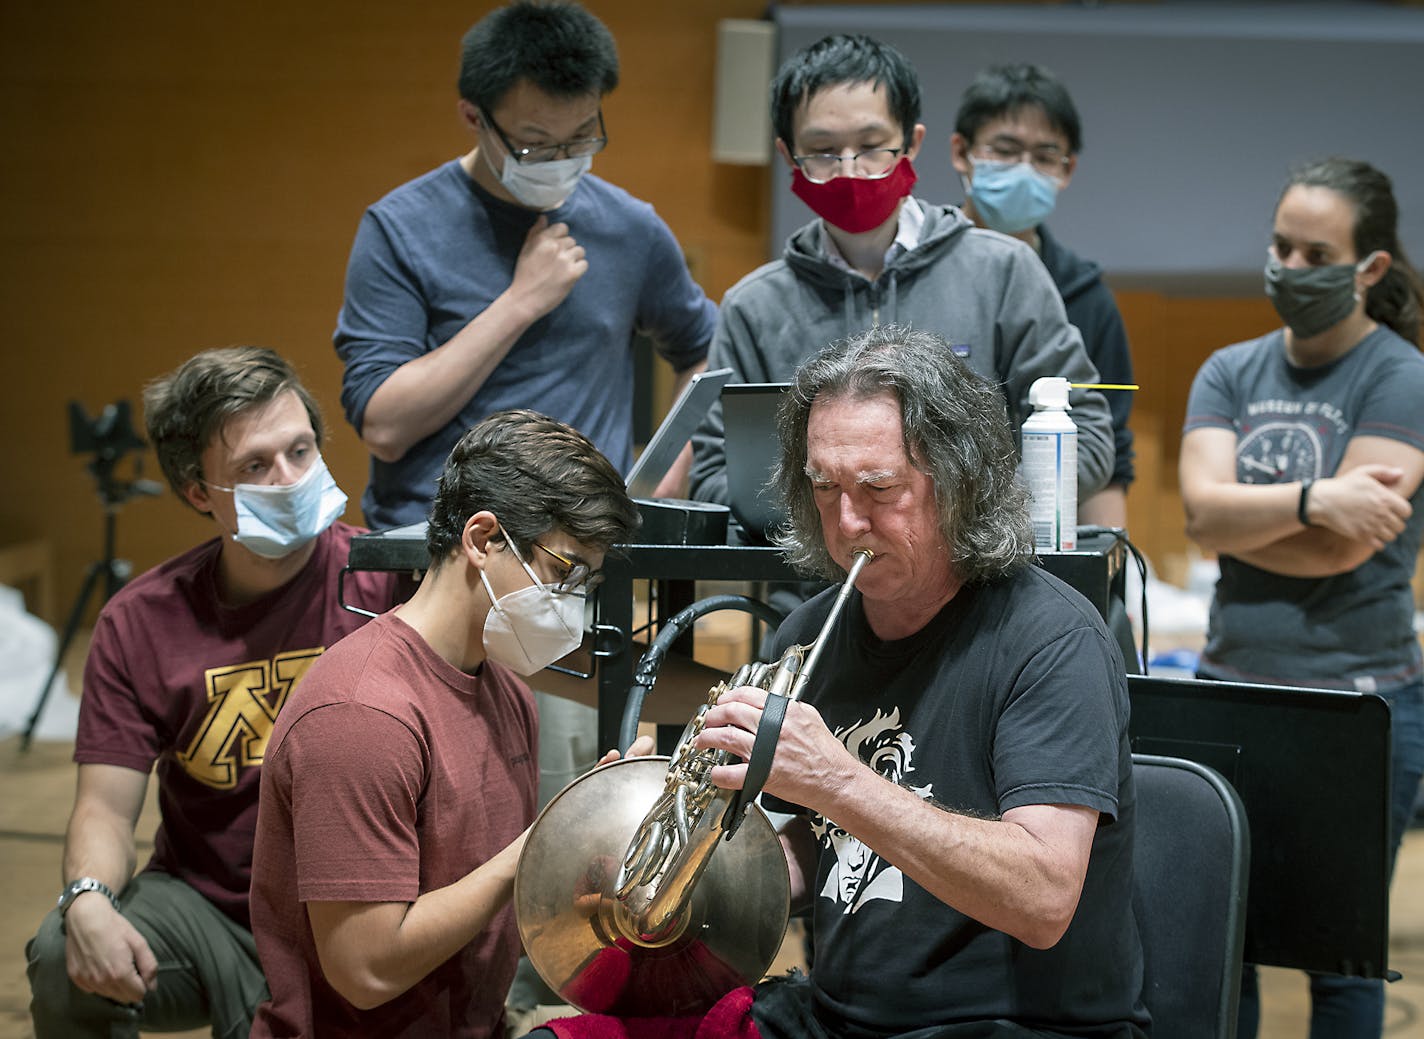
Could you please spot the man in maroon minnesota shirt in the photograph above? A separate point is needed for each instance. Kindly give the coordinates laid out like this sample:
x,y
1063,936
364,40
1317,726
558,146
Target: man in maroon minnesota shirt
x,y
188,668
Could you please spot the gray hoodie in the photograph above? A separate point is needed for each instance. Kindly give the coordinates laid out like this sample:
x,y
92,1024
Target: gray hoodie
x,y
986,293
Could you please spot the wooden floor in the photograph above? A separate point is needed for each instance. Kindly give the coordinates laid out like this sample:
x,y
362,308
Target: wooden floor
x,y
36,788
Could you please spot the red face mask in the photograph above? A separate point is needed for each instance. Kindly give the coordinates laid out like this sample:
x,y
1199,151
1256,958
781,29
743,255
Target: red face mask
x,y
856,204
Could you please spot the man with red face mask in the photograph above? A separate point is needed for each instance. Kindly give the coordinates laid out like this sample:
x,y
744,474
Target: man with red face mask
x,y
846,111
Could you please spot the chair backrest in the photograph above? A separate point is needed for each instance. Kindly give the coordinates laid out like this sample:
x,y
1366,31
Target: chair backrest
x,y
1191,862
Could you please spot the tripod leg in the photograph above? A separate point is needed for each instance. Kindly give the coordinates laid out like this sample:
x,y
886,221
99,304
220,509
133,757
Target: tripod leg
x,y
71,626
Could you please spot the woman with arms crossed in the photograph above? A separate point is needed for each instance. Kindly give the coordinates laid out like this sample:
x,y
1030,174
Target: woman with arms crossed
x,y
1301,466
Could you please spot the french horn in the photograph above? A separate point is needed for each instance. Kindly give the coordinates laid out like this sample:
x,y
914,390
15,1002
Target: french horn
x,y
645,891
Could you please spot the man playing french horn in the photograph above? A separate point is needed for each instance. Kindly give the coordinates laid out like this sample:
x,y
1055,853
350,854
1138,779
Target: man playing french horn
x,y
959,765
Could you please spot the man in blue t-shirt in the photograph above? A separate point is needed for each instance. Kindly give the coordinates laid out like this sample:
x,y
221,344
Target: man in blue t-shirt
x,y
509,277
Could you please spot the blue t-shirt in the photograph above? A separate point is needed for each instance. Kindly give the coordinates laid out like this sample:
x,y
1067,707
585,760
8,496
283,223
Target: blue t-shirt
x,y
437,251
1352,630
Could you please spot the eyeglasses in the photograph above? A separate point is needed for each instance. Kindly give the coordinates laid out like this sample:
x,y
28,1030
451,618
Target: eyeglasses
x,y
1048,159
872,164
578,576
575,149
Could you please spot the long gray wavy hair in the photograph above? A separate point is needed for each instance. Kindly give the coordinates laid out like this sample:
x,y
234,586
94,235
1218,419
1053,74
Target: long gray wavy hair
x,y
956,430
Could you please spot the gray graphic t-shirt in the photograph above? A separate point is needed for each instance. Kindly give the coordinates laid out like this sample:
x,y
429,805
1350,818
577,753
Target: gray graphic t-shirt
x,y
1352,630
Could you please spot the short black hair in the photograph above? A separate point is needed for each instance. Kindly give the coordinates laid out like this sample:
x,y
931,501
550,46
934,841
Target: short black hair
x,y
1002,90
558,47
835,60
535,474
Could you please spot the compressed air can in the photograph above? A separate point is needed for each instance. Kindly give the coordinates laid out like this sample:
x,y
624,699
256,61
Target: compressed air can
x,y
1050,466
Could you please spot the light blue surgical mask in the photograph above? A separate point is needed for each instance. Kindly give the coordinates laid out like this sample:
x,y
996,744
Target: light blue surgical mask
x,y
1011,196
274,520
544,185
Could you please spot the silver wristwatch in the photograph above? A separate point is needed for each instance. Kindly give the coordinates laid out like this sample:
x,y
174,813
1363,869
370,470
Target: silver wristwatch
x,y
78,887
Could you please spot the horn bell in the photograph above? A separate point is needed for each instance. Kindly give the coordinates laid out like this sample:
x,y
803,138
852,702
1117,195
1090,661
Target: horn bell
x,y
585,942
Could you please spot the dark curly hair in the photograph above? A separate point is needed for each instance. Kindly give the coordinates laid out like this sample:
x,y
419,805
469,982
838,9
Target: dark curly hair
x,y
535,474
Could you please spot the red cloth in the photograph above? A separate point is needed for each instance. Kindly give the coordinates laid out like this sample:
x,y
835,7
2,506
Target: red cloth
x,y
730,1018
624,982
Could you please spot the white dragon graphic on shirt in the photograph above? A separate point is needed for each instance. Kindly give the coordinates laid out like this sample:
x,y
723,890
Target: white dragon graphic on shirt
x,y
860,875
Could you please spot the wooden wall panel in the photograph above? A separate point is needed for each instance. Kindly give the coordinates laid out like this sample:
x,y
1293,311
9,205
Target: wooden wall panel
x,y
1170,338
179,176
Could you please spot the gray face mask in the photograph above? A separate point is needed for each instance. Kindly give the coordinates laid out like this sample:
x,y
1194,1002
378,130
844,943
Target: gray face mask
x,y
1313,299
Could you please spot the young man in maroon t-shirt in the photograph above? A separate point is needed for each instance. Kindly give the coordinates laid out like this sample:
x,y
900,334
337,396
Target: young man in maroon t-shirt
x,y
402,776
188,668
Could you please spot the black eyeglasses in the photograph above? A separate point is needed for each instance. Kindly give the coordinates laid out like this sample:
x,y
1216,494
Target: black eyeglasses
x,y
575,149
578,576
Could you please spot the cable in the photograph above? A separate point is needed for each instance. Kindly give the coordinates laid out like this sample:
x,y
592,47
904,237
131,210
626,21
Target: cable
x,y
1091,529
646,673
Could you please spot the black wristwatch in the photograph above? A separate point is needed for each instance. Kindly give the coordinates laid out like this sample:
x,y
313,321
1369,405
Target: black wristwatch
x,y
78,887
1304,502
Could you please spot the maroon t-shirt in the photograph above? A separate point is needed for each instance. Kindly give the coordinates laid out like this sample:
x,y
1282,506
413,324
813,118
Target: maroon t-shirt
x,y
390,773
176,678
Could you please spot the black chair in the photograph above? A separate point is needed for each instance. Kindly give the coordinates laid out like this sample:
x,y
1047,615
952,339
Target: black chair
x,y
1191,863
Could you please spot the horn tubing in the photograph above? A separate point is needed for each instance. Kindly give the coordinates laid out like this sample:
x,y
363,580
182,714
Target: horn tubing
x,y
672,881
793,674
671,895
862,556
646,672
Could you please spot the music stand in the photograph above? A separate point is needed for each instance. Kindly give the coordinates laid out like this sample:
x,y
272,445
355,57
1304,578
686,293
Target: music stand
x,y
109,437
1312,768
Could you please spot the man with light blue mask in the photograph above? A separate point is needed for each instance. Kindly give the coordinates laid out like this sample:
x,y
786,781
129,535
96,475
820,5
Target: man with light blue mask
x,y
188,667
1015,146
275,520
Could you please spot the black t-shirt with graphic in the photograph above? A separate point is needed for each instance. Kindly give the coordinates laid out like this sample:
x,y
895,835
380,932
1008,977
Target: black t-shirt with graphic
x,y
1014,694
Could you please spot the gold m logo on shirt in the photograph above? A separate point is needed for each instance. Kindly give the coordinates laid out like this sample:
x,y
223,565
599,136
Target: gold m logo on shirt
x,y
243,701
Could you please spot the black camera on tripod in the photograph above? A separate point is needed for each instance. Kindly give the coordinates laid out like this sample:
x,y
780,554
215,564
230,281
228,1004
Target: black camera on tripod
x,y
109,437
